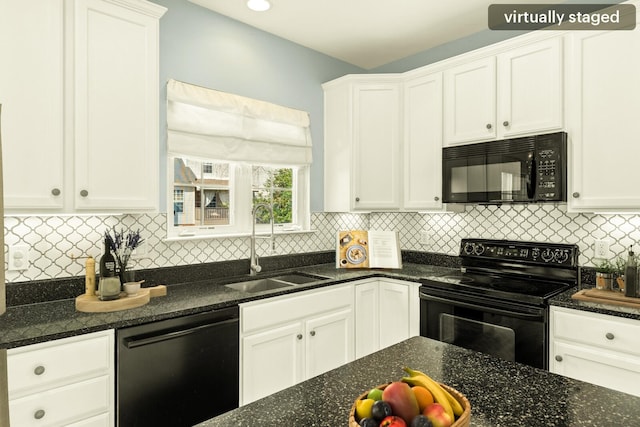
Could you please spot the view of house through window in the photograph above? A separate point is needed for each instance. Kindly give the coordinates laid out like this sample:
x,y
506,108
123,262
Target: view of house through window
x,y
273,187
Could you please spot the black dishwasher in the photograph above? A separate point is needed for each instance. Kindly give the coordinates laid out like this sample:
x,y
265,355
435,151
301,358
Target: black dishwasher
x,y
178,372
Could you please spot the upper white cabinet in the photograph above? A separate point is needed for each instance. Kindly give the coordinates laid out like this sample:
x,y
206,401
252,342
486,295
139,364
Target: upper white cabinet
x,y
517,91
362,144
82,136
603,109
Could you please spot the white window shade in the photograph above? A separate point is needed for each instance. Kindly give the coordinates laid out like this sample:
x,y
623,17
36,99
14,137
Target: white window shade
x,y
210,124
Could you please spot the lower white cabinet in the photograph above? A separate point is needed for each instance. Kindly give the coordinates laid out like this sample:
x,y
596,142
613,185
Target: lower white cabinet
x,y
285,340
596,348
386,312
63,382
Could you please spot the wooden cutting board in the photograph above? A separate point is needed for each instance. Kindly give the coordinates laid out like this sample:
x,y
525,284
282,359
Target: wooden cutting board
x,y
92,304
606,297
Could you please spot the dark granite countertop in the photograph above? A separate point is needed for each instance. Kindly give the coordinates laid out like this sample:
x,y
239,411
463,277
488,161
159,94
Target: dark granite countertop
x,y
564,300
32,323
501,393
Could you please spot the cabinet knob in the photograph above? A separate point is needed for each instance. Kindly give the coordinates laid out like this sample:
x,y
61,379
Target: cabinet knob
x,y
39,414
436,198
55,191
312,333
357,199
39,370
609,336
489,126
84,193
559,358
505,123
576,195
299,336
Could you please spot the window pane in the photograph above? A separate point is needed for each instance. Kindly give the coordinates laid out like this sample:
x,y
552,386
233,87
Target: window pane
x,y
273,186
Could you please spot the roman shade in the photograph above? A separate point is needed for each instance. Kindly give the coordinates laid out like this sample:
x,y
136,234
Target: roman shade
x,y
210,124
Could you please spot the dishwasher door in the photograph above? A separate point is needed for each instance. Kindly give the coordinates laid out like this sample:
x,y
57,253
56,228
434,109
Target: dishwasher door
x,y
178,372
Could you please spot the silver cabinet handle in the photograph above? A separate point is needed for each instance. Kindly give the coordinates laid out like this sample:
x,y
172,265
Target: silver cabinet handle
x,y
436,198
55,191
489,126
609,336
312,333
39,414
576,195
299,336
39,370
84,193
559,358
505,123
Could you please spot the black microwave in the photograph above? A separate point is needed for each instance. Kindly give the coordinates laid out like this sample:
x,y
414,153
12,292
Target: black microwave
x,y
518,170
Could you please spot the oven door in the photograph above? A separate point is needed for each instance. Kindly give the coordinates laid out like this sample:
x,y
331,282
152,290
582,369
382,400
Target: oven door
x,y
506,330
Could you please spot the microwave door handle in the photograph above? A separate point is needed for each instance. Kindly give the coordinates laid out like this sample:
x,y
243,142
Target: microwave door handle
x,y
531,176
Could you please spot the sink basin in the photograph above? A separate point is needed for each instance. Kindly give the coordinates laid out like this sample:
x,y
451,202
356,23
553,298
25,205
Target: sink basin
x,y
271,283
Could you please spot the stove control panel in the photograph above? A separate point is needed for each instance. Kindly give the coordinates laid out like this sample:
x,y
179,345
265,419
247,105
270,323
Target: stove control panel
x,y
536,252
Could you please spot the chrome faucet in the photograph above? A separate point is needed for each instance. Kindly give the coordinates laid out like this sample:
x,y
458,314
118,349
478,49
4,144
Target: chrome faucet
x,y
255,266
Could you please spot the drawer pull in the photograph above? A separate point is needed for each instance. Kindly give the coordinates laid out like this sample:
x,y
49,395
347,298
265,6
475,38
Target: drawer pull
x,y
559,358
39,370
609,336
39,414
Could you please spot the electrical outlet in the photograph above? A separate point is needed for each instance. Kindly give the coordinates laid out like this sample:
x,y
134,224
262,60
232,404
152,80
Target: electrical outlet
x,y
425,237
601,249
18,257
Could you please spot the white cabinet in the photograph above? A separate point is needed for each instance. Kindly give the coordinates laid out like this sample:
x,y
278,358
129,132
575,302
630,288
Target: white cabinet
x,y
287,339
518,91
596,348
386,312
63,382
422,144
603,126
362,144
82,136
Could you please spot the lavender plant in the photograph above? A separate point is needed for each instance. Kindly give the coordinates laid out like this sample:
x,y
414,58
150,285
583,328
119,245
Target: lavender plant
x,y
122,245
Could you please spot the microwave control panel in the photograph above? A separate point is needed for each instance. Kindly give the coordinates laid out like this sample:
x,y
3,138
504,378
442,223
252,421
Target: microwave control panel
x,y
549,156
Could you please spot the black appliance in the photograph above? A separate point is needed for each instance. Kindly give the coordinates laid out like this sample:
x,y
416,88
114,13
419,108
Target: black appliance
x,y
178,372
498,302
519,170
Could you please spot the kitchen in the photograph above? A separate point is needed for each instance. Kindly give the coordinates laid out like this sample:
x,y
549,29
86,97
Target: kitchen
x,y
434,232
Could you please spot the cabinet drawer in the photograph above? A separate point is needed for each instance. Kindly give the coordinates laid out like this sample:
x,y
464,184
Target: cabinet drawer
x,y
42,366
267,313
613,333
62,405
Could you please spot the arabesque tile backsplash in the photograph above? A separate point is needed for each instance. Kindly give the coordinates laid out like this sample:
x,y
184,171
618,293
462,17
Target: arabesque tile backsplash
x,y
59,243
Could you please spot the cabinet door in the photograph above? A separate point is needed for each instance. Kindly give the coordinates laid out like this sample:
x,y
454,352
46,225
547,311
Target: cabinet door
x,y
31,94
470,102
367,315
530,89
603,107
608,369
271,361
376,134
329,341
116,107
395,313
422,165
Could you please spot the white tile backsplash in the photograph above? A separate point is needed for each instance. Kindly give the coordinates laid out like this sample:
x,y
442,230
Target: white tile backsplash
x,y
59,243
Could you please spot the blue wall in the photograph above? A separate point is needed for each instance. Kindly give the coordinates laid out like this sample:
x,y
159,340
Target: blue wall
x,y
202,47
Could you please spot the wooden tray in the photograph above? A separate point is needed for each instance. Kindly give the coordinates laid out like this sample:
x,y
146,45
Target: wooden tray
x,y
92,304
463,420
603,296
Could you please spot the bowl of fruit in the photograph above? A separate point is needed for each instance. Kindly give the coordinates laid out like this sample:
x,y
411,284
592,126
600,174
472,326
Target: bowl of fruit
x,y
414,401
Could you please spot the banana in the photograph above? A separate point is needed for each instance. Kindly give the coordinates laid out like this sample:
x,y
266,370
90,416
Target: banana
x,y
437,391
455,405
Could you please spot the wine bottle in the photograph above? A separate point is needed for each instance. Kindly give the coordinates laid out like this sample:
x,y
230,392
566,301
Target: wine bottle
x,y
631,276
109,286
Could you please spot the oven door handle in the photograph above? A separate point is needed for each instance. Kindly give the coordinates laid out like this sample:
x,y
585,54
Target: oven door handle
x,y
492,310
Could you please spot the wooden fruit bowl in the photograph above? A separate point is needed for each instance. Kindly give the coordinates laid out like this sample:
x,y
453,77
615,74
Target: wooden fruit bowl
x,y
463,420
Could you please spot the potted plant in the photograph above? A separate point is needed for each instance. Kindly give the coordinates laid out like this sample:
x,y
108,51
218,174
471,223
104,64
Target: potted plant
x,y
605,270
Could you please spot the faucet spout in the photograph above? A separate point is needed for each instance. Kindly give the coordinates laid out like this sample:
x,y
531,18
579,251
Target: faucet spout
x,y
255,265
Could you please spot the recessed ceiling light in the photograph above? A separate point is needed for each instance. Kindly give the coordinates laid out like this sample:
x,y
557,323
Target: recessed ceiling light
x,y
259,5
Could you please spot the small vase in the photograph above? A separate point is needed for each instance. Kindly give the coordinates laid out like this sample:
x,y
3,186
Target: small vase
x,y
126,275
604,281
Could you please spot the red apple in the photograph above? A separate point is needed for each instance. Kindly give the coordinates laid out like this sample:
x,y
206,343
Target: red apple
x,y
437,415
393,421
402,400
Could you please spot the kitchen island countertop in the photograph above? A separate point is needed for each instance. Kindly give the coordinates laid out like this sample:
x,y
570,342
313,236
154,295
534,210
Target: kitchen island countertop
x,y
501,393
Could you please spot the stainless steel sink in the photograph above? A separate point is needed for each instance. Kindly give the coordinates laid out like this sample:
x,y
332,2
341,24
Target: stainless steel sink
x,y
271,283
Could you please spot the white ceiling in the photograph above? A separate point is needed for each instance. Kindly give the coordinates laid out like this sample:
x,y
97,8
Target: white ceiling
x,y
365,33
